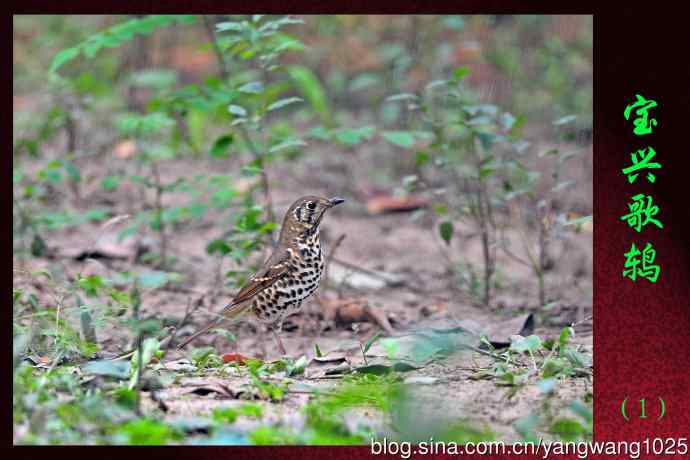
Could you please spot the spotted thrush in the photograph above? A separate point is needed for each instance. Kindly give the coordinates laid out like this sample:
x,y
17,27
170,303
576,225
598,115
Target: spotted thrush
x,y
289,276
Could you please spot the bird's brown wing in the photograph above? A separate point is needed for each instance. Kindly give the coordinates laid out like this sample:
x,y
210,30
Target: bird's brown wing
x,y
274,269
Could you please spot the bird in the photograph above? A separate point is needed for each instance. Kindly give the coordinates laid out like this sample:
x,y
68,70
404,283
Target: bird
x,y
288,277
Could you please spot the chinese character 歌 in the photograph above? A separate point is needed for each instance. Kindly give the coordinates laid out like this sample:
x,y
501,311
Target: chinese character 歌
x,y
642,212
648,269
643,125
640,160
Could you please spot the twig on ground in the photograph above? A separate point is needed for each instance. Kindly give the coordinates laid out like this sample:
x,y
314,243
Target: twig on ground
x,y
583,320
331,255
189,311
329,258
375,274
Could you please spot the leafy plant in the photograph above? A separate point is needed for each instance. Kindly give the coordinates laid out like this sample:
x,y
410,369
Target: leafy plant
x,y
465,150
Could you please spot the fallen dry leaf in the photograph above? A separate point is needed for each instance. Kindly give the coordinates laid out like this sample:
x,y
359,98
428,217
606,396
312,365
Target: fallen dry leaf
x,y
347,311
125,149
222,390
434,308
383,204
234,357
244,184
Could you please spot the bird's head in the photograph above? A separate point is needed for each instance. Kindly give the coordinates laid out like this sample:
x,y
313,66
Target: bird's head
x,y
305,214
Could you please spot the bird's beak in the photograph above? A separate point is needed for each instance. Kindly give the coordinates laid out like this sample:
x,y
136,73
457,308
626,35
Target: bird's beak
x,y
336,201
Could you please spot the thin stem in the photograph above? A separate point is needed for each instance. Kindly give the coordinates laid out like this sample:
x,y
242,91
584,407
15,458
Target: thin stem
x,y
159,215
486,250
542,259
263,174
243,130
136,304
216,48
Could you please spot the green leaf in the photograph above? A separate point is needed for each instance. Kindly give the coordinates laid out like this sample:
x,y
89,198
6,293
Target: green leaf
x,y
565,120
446,231
547,386
402,97
109,368
227,335
566,333
309,86
237,110
576,358
552,367
143,431
317,350
364,81
582,410
460,73
522,344
297,367
254,87
221,145
403,139
283,102
421,158
391,346
38,246
218,246
486,171
153,279
288,144
568,429
435,84
110,183
229,25
526,426
115,36
353,136
90,285
371,342
155,78
62,58
319,132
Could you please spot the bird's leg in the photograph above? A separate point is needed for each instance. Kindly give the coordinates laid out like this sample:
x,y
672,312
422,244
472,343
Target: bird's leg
x,y
276,333
263,332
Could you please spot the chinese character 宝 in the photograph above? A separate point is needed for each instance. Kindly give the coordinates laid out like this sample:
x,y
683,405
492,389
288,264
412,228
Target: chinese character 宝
x,y
641,159
648,269
642,212
643,125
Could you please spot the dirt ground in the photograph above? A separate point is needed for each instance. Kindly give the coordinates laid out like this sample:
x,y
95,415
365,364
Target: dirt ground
x,y
420,292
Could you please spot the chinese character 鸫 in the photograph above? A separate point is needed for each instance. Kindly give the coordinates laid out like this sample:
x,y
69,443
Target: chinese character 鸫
x,y
648,270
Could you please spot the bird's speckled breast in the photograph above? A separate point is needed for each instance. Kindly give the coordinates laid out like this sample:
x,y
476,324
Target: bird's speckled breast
x,y
286,295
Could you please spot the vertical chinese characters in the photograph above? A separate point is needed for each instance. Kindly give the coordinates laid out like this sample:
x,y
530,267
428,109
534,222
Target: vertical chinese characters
x,y
642,210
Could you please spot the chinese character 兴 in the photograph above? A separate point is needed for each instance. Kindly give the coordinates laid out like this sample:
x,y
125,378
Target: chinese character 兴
x,y
643,125
640,160
642,212
647,270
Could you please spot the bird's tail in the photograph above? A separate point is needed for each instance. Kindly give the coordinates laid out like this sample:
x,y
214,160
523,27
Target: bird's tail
x,y
229,312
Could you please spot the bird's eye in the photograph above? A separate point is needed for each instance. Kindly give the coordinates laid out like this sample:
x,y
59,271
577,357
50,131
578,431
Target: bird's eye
x,y
311,205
